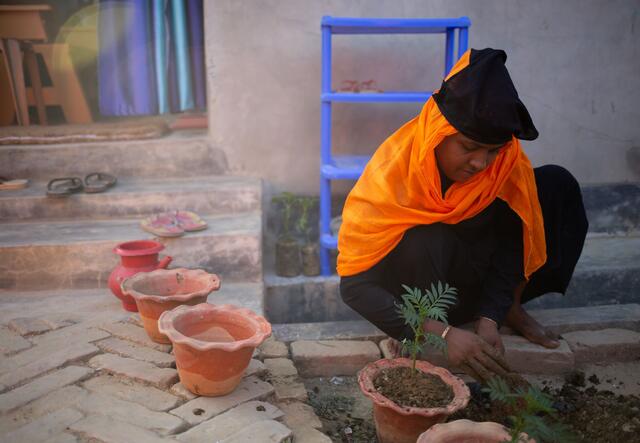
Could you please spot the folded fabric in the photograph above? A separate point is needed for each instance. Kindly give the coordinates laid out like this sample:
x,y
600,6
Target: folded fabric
x,y
162,225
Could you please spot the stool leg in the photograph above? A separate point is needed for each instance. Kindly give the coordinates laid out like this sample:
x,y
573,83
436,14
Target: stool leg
x,y
31,63
17,74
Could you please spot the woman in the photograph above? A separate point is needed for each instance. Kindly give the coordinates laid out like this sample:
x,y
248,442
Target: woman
x,y
451,197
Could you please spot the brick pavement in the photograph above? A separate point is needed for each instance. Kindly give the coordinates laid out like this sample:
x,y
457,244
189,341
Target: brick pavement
x,y
97,377
93,375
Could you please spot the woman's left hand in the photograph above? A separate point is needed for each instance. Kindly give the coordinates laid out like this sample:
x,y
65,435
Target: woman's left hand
x,y
488,330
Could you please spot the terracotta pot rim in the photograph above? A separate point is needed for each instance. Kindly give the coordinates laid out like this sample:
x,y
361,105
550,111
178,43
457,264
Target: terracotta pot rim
x,y
154,248
213,285
468,428
262,327
461,393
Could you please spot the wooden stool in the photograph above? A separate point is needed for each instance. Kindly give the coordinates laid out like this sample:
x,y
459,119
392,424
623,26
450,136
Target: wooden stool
x,y
20,27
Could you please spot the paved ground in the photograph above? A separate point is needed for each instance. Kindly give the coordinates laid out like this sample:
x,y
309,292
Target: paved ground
x,y
76,368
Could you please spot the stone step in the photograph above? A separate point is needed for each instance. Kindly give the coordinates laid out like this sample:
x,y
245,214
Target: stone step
x,y
136,198
179,154
608,273
53,305
79,254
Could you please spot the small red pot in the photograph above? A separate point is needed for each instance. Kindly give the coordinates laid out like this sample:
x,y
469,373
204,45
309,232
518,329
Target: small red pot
x,y
136,256
401,424
213,344
164,289
469,431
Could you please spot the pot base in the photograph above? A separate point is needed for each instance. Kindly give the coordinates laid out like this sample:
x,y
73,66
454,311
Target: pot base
x,y
130,307
151,326
199,385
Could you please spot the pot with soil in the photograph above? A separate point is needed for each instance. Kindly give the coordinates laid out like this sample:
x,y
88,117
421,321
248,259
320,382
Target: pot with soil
x,y
406,404
213,344
310,259
287,247
310,251
469,431
162,290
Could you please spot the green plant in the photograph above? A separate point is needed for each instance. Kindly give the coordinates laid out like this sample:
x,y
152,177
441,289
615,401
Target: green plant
x,y
287,203
303,225
532,410
416,307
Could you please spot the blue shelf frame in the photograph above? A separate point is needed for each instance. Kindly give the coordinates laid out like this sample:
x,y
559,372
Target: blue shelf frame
x,y
350,167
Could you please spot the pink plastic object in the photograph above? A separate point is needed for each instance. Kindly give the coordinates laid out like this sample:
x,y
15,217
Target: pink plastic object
x,y
164,289
398,424
213,344
136,256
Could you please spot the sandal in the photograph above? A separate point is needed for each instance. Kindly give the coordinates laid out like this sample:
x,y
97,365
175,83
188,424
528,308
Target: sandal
x,y
190,221
64,186
162,225
6,183
98,182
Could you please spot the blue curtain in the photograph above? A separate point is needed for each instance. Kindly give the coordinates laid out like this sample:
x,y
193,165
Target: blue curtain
x,y
151,57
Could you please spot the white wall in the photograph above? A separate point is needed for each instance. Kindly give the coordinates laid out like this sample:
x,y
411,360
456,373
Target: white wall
x,y
575,64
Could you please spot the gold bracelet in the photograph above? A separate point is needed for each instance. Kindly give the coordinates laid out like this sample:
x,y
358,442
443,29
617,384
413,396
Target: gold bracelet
x,y
445,332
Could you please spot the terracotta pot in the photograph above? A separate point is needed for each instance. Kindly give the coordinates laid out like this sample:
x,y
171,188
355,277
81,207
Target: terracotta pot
x,y
162,290
402,424
213,344
467,431
136,256
287,257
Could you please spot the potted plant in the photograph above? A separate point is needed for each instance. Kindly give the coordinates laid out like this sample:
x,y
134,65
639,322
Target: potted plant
x,y
529,412
409,396
309,250
287,248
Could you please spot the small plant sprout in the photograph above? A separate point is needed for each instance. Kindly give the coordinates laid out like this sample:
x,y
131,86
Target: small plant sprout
x,y
303,225
416,308
287,202
531,409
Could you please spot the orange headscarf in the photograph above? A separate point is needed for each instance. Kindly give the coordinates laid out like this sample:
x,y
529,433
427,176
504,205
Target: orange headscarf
x,y
400,188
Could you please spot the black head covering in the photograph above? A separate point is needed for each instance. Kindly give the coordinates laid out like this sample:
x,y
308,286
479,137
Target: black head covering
x,y
482,103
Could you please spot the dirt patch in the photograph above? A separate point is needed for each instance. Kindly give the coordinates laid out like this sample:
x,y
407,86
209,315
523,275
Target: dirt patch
x,y
593,415
418,390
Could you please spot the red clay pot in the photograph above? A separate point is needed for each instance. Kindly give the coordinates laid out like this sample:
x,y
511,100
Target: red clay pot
x,y
467,431
162,290
213,344
136,256
400,424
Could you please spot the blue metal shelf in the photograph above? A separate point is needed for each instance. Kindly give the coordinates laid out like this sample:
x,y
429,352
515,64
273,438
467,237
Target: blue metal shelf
x,y
350,167
373,97
349,25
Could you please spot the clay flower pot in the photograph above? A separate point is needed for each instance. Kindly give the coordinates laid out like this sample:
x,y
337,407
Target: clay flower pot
x,y
470,432
402,424
213,344
136,256
162,290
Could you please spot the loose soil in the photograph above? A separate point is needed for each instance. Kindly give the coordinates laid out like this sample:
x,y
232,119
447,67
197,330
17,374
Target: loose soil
x,y
592,415
417,390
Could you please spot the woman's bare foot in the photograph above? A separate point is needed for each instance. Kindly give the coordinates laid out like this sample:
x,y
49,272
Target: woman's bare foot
x,y
519,320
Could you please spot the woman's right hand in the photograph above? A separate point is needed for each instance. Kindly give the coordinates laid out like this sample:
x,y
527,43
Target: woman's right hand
x,y
471,353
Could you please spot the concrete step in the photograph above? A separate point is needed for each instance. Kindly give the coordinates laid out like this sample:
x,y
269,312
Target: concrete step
x,y
79,254
608,273
136,198
179,154
53,305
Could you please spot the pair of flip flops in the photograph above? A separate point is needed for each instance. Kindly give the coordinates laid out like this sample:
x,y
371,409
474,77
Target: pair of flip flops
x,y
173,223
6,183
93,183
